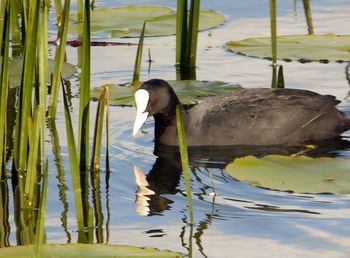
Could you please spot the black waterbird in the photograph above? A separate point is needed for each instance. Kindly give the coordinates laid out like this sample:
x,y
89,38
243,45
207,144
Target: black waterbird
x,y
258,117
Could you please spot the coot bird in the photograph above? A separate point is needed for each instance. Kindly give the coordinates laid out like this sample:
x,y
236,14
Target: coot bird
x,y
261,116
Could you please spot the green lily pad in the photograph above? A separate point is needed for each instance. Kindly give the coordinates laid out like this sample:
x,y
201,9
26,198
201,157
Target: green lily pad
x,y
304,48
188,91
16,66
86,251
294,173
127,21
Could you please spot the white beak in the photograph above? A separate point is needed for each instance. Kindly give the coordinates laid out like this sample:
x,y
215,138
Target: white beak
x,y
141,101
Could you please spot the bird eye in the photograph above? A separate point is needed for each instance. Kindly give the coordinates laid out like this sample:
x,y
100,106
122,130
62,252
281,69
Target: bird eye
x,y
152,100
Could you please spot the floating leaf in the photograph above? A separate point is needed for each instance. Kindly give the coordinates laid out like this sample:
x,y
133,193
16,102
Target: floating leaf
x,y
188,91
294,173
127,21
16,66
86,251
303,48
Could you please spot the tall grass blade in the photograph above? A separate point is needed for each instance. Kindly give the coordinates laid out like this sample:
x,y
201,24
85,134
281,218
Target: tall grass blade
x,y
74,165
307,10
184,159
193,33
84,110
97,141
15,28
25,11
58,9
3,13
40,224
43,67
181,31
59,59
274,77
138,59
32,173
4,82
90,225
84,113
273,21
80,11
280,78
107,129
26,89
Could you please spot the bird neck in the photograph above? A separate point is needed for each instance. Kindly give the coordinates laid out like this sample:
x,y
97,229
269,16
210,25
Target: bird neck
x,y
165,125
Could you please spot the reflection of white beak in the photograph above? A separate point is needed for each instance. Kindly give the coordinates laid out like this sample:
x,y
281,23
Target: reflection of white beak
x,y
141,101
143,193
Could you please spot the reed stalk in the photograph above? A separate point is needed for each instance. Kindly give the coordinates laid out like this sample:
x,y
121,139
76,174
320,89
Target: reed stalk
x,y
308,16
193,33
108,121
74,165
273,22
26,89
58,9
84,110
184,159
181,31
59,59
32,172
4,82
280,78
3,12
138,59
97,140
43,67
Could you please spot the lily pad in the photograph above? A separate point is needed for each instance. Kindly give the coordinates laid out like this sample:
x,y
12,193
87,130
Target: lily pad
x,y
86,251
303,48
16,66
188,91
127,21
294,173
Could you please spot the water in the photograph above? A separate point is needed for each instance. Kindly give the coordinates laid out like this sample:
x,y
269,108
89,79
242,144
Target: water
x,y
242,220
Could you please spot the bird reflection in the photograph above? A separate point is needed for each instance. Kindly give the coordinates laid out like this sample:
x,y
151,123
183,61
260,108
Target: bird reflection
x,y
162,179
165,174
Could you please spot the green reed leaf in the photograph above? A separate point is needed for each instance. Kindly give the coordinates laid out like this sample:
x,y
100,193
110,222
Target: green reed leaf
x,y
181,31
84,109
108,121
4,82
74,165
59,59
193,29
43,69
97,140
273,21
24,109
138,59
32,171
184,158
